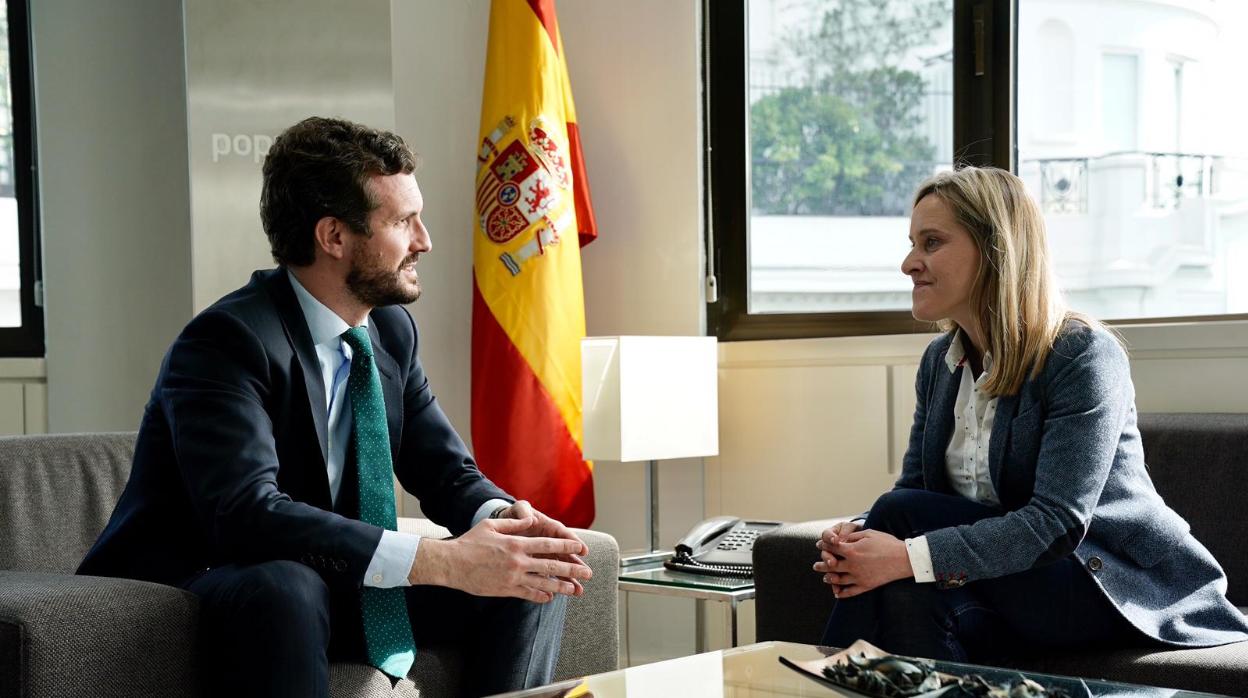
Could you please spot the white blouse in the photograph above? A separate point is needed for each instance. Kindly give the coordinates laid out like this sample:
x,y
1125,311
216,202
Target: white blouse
x,y
966,458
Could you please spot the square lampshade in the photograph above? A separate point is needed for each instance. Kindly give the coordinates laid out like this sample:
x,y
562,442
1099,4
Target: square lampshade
x,y
650,398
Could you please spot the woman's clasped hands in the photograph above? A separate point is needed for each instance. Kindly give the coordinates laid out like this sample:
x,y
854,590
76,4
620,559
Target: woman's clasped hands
x,y
854,560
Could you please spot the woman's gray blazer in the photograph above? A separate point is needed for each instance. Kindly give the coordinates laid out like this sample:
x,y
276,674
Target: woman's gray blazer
x,y
1066,460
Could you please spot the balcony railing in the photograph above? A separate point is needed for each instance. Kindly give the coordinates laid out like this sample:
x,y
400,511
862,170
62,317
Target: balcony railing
x,y
1168,179
1064,185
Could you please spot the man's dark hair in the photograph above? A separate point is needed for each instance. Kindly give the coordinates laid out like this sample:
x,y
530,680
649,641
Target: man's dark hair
x,y
320,167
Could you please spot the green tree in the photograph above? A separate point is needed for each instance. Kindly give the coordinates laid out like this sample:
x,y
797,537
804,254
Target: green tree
x,y
847,140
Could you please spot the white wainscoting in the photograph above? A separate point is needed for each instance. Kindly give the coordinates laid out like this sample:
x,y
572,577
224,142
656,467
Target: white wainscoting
x,y
23,397
812,428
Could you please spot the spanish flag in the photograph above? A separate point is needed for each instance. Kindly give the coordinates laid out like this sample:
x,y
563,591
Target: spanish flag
x,y
528,312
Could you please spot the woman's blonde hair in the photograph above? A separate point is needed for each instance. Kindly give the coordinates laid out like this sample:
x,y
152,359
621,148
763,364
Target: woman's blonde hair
x,y
1019,307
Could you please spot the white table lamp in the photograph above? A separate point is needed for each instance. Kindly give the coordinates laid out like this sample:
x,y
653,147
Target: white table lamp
x,y
649,398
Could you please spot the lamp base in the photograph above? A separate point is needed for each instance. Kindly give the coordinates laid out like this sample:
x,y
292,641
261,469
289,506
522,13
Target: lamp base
x,y
643,557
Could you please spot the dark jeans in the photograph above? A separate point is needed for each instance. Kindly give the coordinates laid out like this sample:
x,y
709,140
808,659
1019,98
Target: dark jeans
x,y
1054,606
271,629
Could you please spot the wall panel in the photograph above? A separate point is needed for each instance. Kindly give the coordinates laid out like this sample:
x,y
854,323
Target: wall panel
x,y
802,443
1191,385
110,104
35,397
901,411
12,409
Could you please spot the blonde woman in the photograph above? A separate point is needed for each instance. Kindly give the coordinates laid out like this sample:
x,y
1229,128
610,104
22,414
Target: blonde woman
x,y
1024,516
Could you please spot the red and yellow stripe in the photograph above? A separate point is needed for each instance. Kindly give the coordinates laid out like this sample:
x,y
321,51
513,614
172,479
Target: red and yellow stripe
x,y
528,309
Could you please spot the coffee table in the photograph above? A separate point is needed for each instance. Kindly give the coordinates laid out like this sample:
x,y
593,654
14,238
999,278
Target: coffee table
x,y
754,671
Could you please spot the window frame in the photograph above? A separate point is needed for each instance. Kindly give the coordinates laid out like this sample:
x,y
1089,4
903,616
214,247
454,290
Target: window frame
x,y
985,124
26,340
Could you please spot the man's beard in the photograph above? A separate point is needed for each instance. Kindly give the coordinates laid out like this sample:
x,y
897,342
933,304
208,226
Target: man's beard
x,y
377,287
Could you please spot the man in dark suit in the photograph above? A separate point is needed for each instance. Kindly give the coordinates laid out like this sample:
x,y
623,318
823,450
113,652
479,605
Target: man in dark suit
x,y
262,476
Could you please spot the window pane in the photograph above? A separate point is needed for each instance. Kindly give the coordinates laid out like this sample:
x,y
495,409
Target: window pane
x,y
10,278
1119,102
1145,187
850,107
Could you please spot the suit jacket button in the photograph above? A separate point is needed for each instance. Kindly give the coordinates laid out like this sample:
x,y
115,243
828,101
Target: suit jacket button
x,y
1094,563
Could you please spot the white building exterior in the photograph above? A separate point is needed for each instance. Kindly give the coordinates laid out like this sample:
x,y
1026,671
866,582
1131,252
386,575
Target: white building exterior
x,y
1123,138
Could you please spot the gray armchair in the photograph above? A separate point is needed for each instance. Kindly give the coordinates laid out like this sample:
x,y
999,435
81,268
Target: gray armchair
x,y
62,634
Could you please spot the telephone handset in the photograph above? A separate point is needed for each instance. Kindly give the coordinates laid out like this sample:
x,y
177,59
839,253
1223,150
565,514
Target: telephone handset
x,y
722,546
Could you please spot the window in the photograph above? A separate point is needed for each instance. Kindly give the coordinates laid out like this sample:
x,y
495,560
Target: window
x,y
1054,64
21,317
824,115
1120,104
850,109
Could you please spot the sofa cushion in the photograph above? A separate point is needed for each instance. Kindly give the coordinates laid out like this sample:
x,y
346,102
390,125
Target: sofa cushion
x,y
1199,465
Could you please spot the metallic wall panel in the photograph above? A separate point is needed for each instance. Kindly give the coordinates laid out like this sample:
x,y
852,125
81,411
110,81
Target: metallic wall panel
x,y
255,67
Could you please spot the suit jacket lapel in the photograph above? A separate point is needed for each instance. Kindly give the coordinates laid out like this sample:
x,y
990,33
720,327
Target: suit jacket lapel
x,y
296,328
391,387
939,426
1007,407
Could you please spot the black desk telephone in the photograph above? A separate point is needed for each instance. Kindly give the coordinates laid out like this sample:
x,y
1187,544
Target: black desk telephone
x,y
722,546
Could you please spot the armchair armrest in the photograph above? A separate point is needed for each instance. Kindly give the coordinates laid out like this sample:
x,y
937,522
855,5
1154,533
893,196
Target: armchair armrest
x,y
591,632
71,635
591,638
791,603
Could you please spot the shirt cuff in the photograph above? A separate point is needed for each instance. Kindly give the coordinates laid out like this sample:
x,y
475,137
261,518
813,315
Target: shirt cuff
x,y
484,511
920,559
392,561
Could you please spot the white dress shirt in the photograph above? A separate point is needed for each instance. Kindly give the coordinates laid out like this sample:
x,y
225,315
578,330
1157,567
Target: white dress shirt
x,y
966,458
396,553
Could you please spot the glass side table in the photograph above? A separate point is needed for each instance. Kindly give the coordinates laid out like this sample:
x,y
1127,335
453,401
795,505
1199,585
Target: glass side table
x,y
654,578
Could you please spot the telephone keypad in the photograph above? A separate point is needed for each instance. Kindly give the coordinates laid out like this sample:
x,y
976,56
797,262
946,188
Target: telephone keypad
x,y
739,540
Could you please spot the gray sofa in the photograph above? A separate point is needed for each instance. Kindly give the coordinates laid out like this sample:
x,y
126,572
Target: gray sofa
x,y
1199,464
64,635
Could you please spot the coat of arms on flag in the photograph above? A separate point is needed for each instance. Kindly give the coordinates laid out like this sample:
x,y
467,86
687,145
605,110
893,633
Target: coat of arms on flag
x,y
523,186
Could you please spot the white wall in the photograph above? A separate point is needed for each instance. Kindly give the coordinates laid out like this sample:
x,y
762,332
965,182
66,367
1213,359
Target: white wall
x,y
111,125
439,60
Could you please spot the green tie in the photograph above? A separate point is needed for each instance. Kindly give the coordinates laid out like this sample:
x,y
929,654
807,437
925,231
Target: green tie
x,y
387,630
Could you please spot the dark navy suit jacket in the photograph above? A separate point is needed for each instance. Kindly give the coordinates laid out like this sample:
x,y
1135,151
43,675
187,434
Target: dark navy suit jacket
x,y
1066,461
229,466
